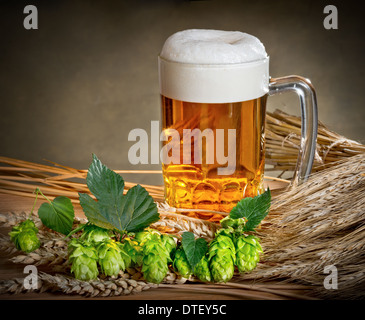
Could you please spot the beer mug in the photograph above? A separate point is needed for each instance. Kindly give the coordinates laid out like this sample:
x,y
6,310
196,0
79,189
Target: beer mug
x,y
214,87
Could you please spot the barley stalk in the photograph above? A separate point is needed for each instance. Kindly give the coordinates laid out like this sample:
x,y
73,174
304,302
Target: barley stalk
x,y
283,136
60,283
318,224
6,246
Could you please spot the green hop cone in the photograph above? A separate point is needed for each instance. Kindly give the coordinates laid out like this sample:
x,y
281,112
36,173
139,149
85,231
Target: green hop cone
x,y
83,257
145,235
134,247
142,236
132,252
202,271
229,232
169,243
155,260
181,263
248,251
232,223
94,234
110,259
24,236
221,257
124,254
27,241
27,224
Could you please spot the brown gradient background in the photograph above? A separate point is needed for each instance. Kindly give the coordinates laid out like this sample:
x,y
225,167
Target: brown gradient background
x,y
88,75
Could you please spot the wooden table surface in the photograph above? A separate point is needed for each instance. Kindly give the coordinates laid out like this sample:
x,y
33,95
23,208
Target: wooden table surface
x,y
9,270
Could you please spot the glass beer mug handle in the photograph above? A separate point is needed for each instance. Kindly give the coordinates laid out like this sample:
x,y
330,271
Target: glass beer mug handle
x,y
308,103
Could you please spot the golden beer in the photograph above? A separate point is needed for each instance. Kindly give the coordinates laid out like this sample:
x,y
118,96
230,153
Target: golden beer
x,y
198,185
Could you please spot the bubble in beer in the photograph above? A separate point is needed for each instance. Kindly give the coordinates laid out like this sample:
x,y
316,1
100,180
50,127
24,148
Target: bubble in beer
x,y
212,47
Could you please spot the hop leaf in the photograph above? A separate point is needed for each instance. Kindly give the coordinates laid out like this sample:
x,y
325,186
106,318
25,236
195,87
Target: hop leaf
x,y
248,250
181,263
252,209
131,212
83,257
58,214
221,256
194,249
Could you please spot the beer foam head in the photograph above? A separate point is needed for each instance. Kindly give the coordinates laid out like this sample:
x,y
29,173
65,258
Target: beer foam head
x,y
213,66
212,47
